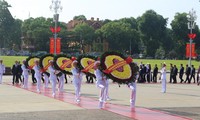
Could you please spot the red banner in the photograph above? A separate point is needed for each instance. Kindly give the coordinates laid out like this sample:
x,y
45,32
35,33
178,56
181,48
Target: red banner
x,y
58,45
193,53
51,46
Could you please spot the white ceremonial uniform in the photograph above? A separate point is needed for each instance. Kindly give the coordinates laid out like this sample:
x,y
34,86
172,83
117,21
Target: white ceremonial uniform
x,y
101,83
25,75
46,80
77,80
132,86
163,79
61,82
38,76
2,71
53,79
107,90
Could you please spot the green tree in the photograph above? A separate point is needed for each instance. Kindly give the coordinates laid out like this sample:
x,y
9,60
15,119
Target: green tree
x,y
85,34
119,35
80,17
152,27
180,33
6,24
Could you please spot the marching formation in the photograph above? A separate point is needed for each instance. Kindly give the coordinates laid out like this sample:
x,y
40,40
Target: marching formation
x,y
50,68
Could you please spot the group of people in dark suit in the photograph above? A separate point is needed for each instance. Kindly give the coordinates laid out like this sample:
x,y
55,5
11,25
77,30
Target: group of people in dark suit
x,y
17,72
148,75
145,74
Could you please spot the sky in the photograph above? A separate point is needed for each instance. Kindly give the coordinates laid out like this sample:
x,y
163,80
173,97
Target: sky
x,y
103,9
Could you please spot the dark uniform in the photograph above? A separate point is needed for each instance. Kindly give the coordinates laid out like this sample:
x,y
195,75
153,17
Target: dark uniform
x,y
187,72
192,73
155,73
175,72
181,72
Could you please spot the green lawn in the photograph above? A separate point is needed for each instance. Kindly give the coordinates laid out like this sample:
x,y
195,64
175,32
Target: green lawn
x,y
9,61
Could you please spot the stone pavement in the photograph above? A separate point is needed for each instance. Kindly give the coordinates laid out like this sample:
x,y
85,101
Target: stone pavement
x,y
180,99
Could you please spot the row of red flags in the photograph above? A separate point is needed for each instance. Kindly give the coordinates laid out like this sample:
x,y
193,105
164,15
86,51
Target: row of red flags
x,y
52,45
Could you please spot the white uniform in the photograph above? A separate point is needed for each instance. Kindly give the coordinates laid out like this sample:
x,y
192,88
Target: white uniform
x,y
25,75
46,80
163,79
38,76
101,83
2,71
77,79
132,86
53,79
61,82
107,90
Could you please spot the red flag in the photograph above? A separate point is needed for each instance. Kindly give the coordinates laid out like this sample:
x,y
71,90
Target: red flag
x,y
58,45
193,53
51,46
192,36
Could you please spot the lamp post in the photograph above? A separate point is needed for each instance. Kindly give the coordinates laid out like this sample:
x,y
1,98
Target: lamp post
x,y
56,8
191,25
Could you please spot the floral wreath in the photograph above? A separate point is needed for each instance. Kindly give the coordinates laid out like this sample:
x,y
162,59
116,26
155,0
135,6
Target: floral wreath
x,y
117,67
86,64
63,63
30,61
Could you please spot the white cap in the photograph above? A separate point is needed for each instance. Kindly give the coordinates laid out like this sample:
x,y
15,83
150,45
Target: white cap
x,y
50,61
75,61
97,62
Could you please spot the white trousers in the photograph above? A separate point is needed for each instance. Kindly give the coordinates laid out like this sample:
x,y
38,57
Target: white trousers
x,y
1,75
132,86
38,78
25,81
46,81
77,86
53,83
61,84
106,90
163,85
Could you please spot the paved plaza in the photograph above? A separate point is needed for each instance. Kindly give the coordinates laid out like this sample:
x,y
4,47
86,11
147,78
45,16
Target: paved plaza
x,y
181,101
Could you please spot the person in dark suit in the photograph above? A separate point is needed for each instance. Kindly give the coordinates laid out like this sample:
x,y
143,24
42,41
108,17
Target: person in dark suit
x,y
175,72
144,69
181,72
187,72
192,73
33,76
155,73
19,72
171,73
15,73
198,72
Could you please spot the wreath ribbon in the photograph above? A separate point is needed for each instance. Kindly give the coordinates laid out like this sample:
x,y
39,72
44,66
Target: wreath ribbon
x,y
87,68
118,65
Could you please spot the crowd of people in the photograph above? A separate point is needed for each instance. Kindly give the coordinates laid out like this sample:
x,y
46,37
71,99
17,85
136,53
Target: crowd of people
x,y
147,74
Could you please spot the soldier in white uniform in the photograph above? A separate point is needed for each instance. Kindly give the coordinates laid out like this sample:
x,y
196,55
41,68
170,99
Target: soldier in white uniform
x,y
77,80
53,77
163,78
107,90
46,79
101,83
2,70
61,82
25,74
38,75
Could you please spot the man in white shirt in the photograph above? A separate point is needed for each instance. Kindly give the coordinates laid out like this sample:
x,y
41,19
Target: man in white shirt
x,y
38,75
53,77
163,78
101,83
77,80
2,70
25,74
